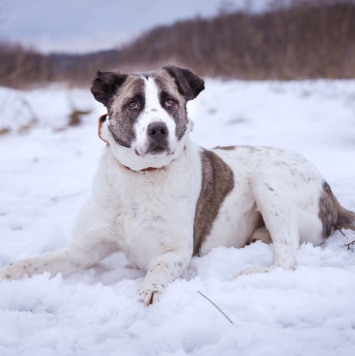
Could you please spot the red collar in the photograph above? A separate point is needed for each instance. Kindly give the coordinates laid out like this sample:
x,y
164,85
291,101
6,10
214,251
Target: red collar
x,y
102,119
142,170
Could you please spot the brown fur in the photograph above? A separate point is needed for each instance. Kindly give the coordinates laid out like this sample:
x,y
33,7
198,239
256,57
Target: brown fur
x,y
332,214
217,183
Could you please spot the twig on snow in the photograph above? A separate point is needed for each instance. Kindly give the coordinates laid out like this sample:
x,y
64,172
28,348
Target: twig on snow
x,y
337,228
350,244
216,307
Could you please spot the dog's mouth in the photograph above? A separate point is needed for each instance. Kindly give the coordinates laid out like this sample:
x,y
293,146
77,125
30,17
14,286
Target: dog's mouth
x,y
155,149
158,148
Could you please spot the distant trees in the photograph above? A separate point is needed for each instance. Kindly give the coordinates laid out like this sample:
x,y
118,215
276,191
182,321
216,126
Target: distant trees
x,y
20,66
308,39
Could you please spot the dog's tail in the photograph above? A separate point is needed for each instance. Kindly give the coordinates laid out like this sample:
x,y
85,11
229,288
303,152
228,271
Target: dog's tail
x,y
346,218
341,218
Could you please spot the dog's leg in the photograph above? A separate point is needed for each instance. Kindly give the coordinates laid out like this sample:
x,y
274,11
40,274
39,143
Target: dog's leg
x,y
164,269
261,234
91,243
280,221
65,261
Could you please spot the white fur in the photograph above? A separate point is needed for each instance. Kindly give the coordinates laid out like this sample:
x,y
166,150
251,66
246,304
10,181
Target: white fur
x,y
125,212
149,215
290,209
153,112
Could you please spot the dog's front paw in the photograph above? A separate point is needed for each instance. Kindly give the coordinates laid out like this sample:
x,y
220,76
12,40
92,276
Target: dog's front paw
x,y
150,294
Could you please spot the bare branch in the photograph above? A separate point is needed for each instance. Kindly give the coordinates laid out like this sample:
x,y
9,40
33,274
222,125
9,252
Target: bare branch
x,y
216,307
349,245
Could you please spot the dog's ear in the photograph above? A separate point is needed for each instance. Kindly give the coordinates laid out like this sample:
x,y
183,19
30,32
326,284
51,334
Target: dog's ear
x,y
189,84
105,85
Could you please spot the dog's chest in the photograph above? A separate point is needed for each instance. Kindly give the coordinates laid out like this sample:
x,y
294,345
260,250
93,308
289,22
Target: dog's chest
x,y
151,206
138,222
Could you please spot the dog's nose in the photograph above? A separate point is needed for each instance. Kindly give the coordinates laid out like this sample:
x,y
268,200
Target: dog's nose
x,y
157,131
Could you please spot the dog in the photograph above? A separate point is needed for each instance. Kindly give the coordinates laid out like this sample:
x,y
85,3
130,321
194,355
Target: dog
x,y
161,199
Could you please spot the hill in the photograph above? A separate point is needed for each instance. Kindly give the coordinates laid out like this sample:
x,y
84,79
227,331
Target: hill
x,y
309,39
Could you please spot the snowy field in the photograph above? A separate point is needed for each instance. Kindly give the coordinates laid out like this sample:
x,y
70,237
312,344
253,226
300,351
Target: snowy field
x,y
46,172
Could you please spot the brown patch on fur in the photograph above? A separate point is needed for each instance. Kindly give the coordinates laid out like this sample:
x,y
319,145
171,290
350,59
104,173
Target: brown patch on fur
x,y
332,214
169,89
121,116
328,212
217,183
166,83
188,83
105,85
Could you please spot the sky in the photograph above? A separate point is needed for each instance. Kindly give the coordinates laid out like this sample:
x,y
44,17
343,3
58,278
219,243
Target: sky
x,y
79,26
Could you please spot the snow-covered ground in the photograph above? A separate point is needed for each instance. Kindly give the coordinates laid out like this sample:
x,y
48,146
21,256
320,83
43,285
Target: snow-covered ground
x,y
45,175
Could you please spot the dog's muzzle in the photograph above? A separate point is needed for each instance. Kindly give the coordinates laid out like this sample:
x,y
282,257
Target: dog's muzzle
x,y
157,133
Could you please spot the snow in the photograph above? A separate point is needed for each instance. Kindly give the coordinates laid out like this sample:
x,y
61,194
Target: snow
x,y
46,172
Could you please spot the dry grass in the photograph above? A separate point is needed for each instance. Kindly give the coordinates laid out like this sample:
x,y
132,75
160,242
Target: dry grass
x,y
309,39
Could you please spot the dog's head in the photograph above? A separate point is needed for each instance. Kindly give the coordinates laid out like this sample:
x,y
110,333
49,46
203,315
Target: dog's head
x,y
147,121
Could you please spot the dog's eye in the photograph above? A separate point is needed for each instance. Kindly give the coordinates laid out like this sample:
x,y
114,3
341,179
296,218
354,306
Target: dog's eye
x,y
169,103
133,105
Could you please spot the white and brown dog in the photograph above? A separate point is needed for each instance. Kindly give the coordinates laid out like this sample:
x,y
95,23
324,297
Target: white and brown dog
x,y
161,199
